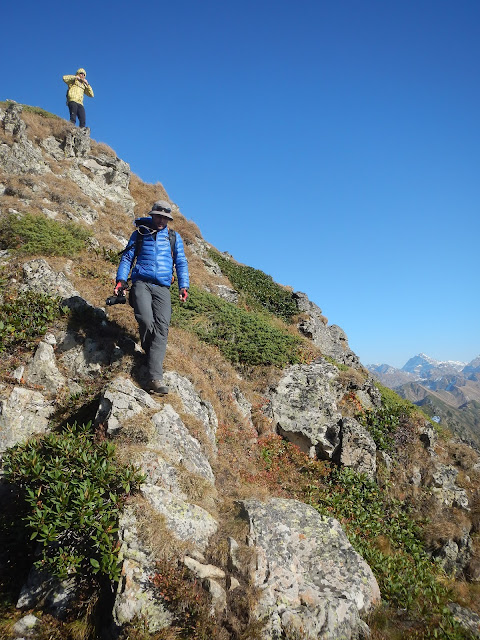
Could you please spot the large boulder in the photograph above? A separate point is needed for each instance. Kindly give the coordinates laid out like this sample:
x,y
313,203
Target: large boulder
x,y
173,440
43,371
312,583
304,408
188,523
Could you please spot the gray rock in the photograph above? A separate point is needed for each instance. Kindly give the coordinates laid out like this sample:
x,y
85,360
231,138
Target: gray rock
x,y
53,147
136,596
429,437
86,357
108,178
45,591
230,295
26,625
304,408
468,619
234,563
21,156
42,369
173,439
77,142
187,522
218,594
194,405
203,571
39,276
455,555
23,412
444,487
120,401
244,406
159,472
358,450
331,340
311,580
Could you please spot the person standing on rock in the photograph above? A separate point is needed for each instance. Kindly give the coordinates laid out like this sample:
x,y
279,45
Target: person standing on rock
x,y
156,249
77,87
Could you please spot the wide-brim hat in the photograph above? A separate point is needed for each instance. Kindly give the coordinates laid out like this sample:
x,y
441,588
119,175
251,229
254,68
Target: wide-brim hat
x,y
162,208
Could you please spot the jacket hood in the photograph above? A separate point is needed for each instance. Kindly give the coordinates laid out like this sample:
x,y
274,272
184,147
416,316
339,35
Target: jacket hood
x,y
81,71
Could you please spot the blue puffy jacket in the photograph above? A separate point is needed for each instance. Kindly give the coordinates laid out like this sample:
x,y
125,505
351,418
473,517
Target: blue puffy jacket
x,y
154,260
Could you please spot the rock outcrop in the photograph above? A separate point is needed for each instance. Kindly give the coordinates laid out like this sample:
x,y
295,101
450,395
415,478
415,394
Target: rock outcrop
x,y
312,583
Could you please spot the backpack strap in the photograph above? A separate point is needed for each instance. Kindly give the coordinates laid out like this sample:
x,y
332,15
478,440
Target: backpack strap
x,y
172,236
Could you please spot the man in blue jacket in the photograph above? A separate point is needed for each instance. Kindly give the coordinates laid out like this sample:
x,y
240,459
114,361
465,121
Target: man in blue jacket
x,y
152,276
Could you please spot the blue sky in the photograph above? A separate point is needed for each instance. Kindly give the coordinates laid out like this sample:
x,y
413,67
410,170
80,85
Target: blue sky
x,y
333,144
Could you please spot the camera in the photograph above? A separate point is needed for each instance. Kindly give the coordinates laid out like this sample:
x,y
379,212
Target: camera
x,y
115,300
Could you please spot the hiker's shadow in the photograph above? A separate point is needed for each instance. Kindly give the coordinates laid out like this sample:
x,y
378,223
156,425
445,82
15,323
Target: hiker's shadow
x,y
95,344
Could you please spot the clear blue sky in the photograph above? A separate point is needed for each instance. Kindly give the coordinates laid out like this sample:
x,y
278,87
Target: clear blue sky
x,y
333,144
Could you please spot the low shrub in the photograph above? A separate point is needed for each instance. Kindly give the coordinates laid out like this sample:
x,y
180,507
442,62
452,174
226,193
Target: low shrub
x,y
187,600
34,234
26,316
384,533
384,422
74,489
260,291
243,338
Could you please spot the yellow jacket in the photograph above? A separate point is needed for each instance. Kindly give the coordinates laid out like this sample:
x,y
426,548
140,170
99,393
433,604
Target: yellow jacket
x,y
76,89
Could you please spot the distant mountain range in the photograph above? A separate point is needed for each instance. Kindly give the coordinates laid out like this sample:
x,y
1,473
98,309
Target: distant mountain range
x,y
448,391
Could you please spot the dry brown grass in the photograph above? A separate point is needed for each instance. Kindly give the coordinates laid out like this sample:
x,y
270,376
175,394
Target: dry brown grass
x,y
443,524
40,127
350,379
155,534
99,148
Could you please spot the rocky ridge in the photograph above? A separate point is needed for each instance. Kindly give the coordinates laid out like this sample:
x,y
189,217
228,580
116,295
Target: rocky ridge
x,y
310,582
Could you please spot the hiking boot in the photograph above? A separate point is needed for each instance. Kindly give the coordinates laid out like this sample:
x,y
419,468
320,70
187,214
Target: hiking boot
x,y
157,386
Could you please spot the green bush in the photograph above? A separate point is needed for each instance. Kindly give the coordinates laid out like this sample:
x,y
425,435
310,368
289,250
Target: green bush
x,y
243,338
74,490
404,571
27,316
35,234
383,422
259,289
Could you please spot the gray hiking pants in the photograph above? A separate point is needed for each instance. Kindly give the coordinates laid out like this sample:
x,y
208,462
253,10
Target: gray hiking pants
x,y
153,309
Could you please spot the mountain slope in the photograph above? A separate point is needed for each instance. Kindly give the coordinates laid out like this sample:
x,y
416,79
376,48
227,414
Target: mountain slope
x,y
272,439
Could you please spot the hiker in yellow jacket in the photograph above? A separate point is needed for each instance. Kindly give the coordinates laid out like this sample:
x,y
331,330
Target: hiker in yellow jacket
x,y
77,86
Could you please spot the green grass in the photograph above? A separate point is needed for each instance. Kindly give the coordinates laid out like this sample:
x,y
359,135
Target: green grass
x,y
259,289
244,338
34,234
384,422
26,316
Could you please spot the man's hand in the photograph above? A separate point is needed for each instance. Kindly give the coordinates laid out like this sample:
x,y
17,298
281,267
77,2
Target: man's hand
x,y
183,295
119,288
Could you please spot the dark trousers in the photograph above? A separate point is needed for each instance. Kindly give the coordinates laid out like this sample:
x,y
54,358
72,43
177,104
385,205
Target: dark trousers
x,y
153,310
77,110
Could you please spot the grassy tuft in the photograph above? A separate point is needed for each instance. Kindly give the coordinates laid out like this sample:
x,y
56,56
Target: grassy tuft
x,y
243,338
259,289
26,317
34,234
